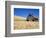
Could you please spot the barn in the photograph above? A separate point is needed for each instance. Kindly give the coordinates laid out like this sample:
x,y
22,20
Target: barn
x,y
31,18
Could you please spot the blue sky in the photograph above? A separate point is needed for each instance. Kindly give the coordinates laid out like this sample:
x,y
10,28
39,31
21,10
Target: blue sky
x,y
25,12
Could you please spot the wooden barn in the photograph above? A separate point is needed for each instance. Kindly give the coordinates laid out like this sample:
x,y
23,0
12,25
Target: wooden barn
x,y
31,18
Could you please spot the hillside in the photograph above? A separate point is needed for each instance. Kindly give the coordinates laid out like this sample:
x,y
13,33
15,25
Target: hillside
x,y
19,18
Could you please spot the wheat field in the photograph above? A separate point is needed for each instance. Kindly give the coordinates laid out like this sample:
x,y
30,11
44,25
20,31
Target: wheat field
x,y
25,24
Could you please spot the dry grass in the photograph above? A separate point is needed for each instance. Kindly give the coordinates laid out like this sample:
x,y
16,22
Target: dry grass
x,y
26,25
22,24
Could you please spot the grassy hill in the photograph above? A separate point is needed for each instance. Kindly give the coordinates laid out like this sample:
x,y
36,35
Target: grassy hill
x,y
21,23
19,18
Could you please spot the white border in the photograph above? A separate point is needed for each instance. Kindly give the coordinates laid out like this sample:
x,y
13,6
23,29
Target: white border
x,y
26,30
